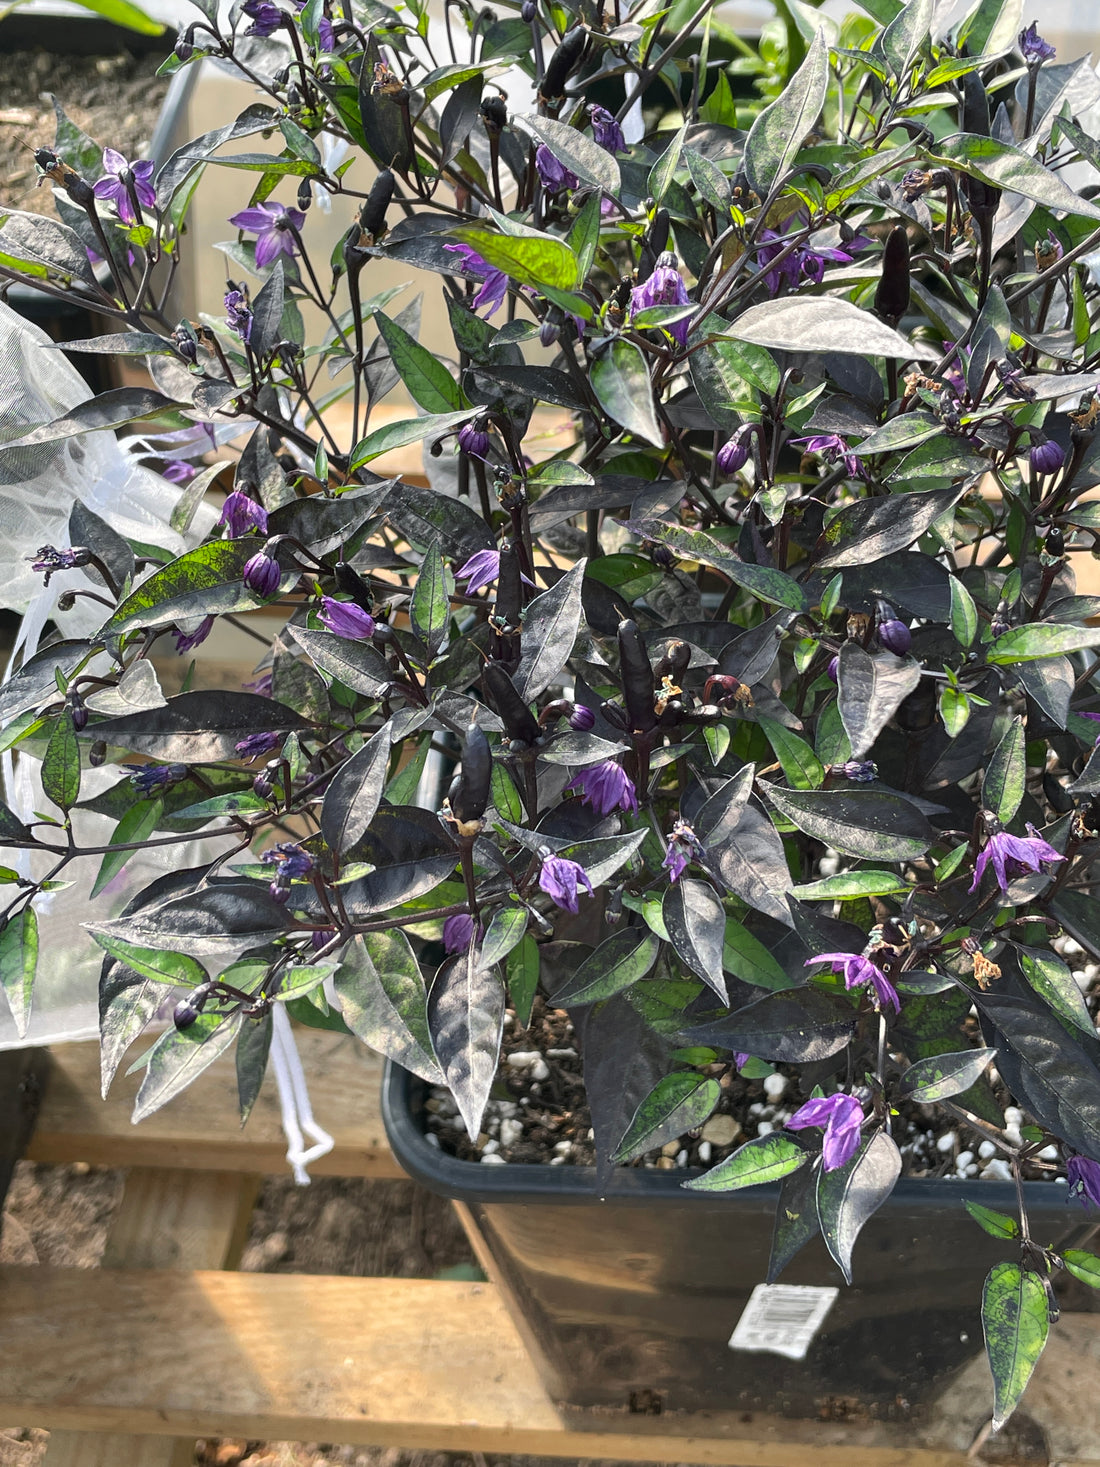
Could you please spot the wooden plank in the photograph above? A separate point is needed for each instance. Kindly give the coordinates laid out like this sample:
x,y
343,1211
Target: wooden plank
x,y
384,1362
201,1130
23,1074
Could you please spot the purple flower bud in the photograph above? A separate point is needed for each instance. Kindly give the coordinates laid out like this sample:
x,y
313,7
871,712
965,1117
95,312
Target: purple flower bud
x,y
258,743
606,131
240,513
262,575
1012,856
527,11
582,718
79,710
321,937
458,932
184,1014
664,288
834,663
895,636
1035,50
605,787
553,174
346,619
237,311
473,439
263,786
734,453
860,771
1046,457
549,332
148,778
265,17
560,878
681,850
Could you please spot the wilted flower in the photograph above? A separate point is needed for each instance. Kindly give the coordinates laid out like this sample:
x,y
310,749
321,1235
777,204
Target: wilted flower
x,y
560,879
121,177
858,970
681,850
481,569
1011,856
664,288
1046,457
148,778
458,932
274,228
831,447
553,174
293,863
1083,1176
582,719
859,771
258,743
240,513
346,619
49,560
473,439
188,641
605,787
606,131
495,287
265,17
842,1117
262,574
237,310
1035,49
734,453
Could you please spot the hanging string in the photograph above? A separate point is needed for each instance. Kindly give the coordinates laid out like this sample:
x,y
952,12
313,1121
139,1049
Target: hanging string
x,y
294,1103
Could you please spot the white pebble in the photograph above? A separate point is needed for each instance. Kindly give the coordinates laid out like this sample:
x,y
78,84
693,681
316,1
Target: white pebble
x,y
1082,979
591,1134
756,1109
491,1158
561,1054
765,1128
557,1161
946,1142
540,1070
509,1020
682,1157
997,1171
1049,1153
1070,948
523,1059
972,1169
490,1147
705,1150
1013,1136
829,865
562,1148
986,1150
507,1109
963,1160
1013,1115
432,1139
510,1132
774,1086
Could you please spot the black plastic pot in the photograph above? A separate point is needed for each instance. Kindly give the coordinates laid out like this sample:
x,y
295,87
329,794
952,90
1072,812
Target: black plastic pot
x,y
628,1298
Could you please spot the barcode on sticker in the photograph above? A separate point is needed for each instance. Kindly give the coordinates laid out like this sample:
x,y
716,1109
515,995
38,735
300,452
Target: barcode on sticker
x,y
782,1318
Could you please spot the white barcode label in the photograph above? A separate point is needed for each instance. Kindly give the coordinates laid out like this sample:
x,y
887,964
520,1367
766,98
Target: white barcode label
x,y
782,1318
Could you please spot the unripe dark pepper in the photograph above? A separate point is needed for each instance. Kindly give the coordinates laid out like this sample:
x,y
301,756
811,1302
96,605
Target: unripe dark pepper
x,y
469,792
892,294
503,695
637,676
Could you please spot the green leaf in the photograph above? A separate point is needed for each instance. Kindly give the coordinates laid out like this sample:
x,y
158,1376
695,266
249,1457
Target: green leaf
x,y
121,12
578,152
162,967
746,957
905,35
505,796
353,796
872,824
776,136
400,435
954,710
622,959
427,378
402,788
664,170
851,884
202,582
1012,169
764,1159
804,770
18,961
180,1056
584,237
504,932
1083,1266
996,1224
523,978
943,1075
964,614
137,824
1016,1325
1040,639
242,802
677,1103
761,581
1052,980
384,1002
823,324
430,610
1004,782
533,259
61,764
620,380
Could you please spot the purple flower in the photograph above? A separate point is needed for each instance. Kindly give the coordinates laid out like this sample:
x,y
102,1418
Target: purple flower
x,y
681,850
265,17
553,174
802,261
860,771
325,34
664,288
293,863
559,879
146,778
858,970
1083,1176
188,641
262,575
458,932
834,664
473,440
495,287
121,178
240,513
1035,49
258,743
178,471
831,447
49,560
605,787
734,453
1011,856
274,228
260,685
346,619
895,636
606,131
481,569
237,311
582,718
842,1117
1046,457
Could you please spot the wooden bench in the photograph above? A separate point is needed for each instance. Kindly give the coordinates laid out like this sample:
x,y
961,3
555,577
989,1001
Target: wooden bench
x,y
128,1364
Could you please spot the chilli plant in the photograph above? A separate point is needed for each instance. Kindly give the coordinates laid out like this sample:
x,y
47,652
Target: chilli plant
x,y
767,701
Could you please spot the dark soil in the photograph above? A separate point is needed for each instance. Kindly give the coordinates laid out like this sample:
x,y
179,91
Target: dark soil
x,y
115,99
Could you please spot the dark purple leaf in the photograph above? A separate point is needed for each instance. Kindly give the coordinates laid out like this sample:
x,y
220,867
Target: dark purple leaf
x,y
352,797
696,925
466,1021
849,1196
197,728
796,1026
